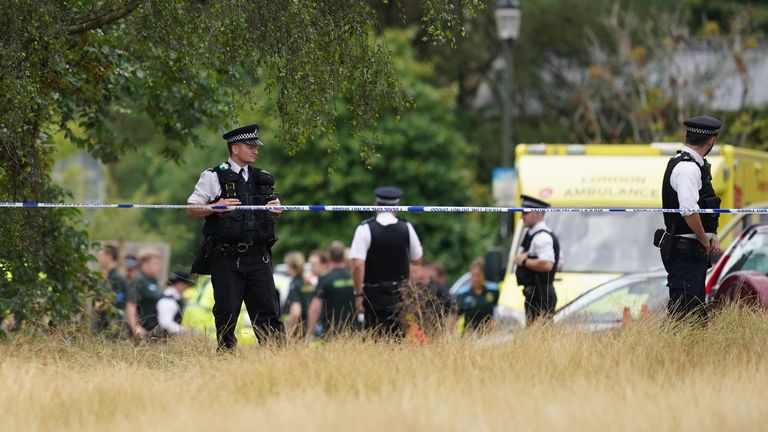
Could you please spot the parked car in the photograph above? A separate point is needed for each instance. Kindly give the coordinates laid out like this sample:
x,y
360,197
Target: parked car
x,y
741,273
602,308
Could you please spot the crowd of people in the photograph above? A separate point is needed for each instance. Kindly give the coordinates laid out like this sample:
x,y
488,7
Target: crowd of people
x,y
135,304
320,301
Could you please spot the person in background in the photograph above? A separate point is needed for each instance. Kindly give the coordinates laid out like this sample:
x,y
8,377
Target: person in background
x,y
131,264
318,266
300,293
123,292
537,262
147,287
478,303
335,292
170,307
438,301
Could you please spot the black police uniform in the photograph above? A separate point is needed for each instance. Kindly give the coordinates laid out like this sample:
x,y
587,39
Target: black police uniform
x,y
684,258
538,287
387,265
237,251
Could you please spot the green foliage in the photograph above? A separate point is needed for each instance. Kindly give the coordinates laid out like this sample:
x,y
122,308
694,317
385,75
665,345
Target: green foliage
x,y
423,152
87,67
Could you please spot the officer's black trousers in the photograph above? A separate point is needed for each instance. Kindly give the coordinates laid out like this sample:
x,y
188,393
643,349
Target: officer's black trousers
x,y
245,278
382,311
539,302
686,274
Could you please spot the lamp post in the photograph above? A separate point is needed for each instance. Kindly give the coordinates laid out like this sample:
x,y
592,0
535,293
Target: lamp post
x,y
508,17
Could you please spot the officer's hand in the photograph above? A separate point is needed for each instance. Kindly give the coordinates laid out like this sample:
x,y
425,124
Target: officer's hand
x,y
714,246
359,304
226,202
139,332
275,202
520,258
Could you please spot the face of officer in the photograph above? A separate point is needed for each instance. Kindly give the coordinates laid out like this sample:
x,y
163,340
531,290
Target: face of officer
x,y
530,219
244,154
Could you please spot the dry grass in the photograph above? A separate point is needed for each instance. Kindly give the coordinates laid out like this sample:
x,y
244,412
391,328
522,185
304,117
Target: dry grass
x,y
646,378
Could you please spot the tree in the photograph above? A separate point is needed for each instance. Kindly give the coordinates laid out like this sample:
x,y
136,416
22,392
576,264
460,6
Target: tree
x,y
80,65
423,152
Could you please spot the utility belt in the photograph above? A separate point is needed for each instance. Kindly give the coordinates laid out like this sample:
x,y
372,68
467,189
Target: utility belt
x,y
382,286
382,295
676,246
241,248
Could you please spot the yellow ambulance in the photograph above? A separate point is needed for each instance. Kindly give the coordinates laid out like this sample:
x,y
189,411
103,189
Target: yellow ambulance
x,y
597,247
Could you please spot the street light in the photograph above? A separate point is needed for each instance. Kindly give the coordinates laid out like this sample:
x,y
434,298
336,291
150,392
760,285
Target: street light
x,y
508,17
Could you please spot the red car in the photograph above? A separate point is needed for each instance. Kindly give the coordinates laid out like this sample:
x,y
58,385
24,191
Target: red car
x,y
742,272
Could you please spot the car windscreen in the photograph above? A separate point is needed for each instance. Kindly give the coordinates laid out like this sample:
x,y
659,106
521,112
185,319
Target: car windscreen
x,y
751,253
607,242
609,307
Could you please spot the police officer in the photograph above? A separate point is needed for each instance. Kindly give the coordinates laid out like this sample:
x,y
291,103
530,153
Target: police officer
x,y
537,262
381,252
170,307
237,245
690,238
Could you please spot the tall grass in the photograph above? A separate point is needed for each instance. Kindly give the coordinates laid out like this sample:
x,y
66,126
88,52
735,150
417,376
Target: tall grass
x,y
648,377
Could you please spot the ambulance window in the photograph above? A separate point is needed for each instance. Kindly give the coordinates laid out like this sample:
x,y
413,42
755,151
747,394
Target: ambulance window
x,y
607,242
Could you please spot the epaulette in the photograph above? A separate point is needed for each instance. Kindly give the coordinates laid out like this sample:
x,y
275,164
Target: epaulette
x,y
221,167
684,156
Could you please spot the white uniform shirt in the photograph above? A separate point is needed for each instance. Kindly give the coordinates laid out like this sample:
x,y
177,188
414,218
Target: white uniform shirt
x,y
208,187
361,242
542,246
167,308
686,181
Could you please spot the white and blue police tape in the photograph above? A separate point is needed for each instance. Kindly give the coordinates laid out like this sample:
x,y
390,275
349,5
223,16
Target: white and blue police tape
x,y
369,208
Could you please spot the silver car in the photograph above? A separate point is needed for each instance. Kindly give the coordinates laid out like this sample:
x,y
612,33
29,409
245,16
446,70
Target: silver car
x,y
603,307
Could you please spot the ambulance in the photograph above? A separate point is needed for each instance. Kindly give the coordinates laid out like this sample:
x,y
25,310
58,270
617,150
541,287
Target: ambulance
x,y
598,247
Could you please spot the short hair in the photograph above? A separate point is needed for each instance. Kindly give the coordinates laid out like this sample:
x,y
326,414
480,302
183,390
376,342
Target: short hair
x,y
439,268
696,139
478,263
147,254
320,254
295,261
336,251
111,251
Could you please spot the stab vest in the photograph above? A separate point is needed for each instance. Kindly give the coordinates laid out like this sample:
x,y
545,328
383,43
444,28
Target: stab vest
x,y
243,225
528,277
674,222
177,317
387,259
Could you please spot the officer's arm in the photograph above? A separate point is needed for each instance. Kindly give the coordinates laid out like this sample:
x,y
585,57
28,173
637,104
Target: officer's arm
x,y
313,315
201,213
538,265
132,318
358,274
694,223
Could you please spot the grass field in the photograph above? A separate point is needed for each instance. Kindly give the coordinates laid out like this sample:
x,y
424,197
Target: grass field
x,y
647,378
